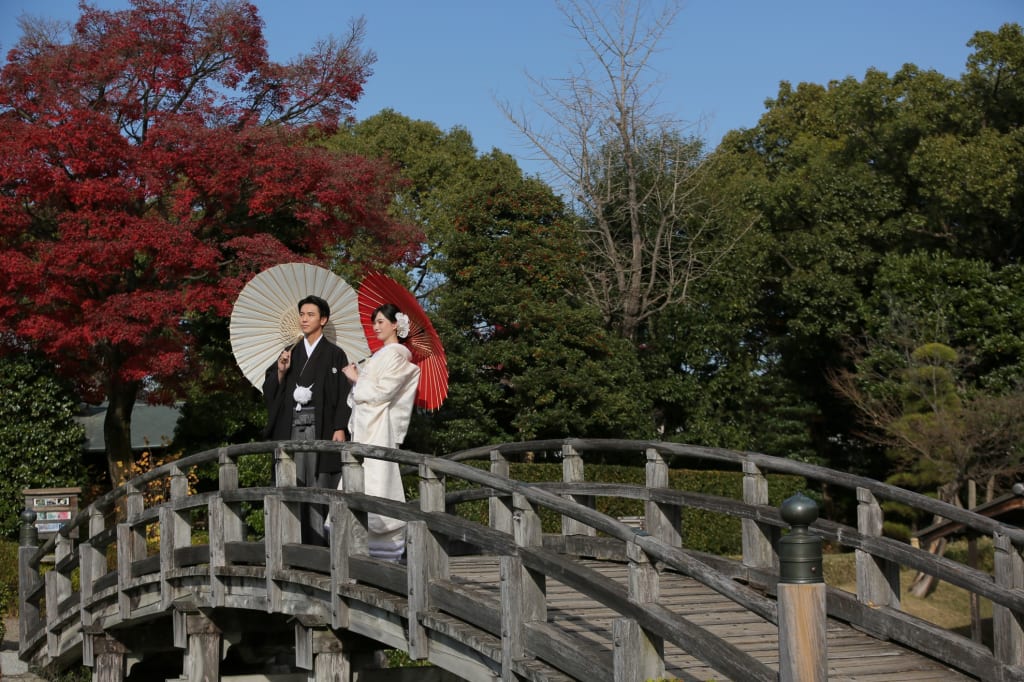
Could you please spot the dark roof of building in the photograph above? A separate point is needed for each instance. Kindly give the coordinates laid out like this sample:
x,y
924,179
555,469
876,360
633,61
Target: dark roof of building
x,y
152,426
1008,509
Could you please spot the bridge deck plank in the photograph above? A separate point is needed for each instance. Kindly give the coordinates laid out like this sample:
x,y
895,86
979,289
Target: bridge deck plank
x,y
853,655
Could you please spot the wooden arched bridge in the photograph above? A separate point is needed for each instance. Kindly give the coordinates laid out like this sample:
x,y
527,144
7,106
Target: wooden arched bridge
x,y
601,600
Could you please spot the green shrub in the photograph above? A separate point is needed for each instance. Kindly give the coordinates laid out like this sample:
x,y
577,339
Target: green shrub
x,y
254,471
8,582
40,442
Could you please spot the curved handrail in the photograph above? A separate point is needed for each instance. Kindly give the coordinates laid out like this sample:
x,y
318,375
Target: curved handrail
x,y
557,497
780,465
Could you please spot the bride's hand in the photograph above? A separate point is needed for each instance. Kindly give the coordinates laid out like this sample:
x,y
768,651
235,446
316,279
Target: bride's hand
x,y
352,372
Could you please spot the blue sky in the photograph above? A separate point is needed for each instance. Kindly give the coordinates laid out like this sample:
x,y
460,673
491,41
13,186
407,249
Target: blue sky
x,y
448,61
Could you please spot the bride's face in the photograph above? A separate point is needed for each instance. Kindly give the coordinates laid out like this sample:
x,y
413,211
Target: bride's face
x,y
384,329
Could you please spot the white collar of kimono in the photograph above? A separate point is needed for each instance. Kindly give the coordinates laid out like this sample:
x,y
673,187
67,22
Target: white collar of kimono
x,y
311,346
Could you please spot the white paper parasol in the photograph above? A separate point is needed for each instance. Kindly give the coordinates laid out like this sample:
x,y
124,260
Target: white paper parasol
x,y
265,318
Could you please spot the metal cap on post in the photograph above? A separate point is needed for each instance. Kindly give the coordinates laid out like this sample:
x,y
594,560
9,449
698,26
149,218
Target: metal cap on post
x,y
799,551
29,536
803,641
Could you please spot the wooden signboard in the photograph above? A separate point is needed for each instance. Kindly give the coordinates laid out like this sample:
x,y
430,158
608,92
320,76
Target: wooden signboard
x,y
53,507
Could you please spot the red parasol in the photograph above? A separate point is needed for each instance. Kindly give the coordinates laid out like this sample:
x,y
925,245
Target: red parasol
x,y
424,343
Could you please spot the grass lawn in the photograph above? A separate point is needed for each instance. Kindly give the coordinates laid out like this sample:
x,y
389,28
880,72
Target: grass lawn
x,y
947,606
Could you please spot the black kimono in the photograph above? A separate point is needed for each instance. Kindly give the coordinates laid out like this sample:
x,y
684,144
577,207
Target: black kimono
x,y
326,411
323,374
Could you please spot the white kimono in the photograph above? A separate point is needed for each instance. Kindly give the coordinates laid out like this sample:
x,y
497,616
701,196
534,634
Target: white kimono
x,y
382,401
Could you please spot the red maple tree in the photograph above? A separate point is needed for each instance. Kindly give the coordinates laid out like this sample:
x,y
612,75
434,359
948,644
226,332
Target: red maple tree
x,y
151,163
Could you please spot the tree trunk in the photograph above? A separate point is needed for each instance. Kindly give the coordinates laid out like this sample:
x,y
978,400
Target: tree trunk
x,y
117,429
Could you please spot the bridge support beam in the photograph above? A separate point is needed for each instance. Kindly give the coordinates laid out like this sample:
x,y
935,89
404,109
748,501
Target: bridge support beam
x,y
320,650
203,644
109,657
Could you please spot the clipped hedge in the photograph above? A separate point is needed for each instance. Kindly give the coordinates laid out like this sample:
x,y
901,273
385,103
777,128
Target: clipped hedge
x,y
701,530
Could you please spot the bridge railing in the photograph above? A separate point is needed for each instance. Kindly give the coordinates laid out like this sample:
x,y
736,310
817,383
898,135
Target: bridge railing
x,y
876,606
121,579
59,621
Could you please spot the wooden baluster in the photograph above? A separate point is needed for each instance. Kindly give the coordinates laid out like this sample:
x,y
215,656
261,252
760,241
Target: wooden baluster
x,y
878,580
499,509
638,655
282,526
353,478
93,562
1007,625
572,472
758,538
131,547
427,561
226,524
28,573
661,521
58,588
523,591
175,533
340,538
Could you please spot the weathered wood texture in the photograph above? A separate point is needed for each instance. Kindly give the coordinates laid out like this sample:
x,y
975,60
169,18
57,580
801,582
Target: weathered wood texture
x,y
602,601
803,643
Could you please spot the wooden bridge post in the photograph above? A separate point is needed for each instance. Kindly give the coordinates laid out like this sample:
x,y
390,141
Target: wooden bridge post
x,y
92,565
661,521
803,644
110,660
758,538
58,588
427,561
1007,625
499,510
282,526
572,472
878,580
175,533
131,547
523,591
353,479
637,654
226,524
29,613
202,655
339,547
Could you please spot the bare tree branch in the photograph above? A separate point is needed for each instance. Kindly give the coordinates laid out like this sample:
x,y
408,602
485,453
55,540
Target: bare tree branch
x,y
639,184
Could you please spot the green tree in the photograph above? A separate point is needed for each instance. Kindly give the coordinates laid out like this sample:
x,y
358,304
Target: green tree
x,y
500,275
529,359
648,229
845,174
438,171
40,442
937,376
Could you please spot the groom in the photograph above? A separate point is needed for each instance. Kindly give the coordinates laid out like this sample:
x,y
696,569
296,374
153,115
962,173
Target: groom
x,y
306,395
